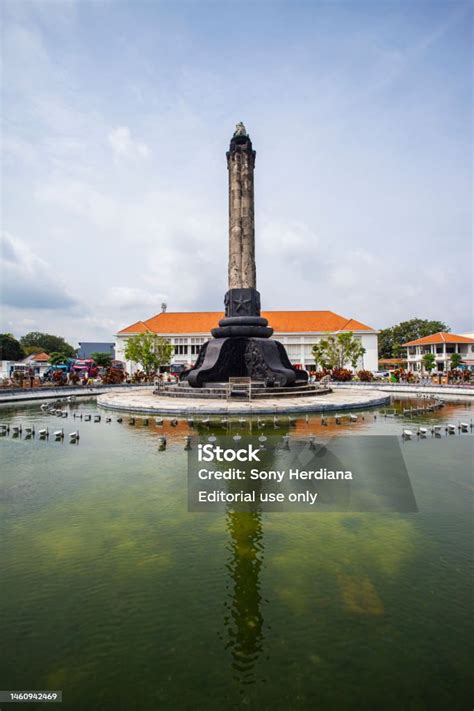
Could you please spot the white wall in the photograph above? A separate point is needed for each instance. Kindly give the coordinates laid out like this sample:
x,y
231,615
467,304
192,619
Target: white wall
x,y
371,356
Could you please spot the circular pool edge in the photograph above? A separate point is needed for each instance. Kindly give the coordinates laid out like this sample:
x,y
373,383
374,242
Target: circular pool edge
x,y
144,401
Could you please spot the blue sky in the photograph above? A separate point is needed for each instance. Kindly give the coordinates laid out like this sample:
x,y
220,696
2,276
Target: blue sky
x,y
116,119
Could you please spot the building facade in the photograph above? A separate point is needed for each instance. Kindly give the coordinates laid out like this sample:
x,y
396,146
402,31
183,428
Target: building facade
x,y
297,330
442,346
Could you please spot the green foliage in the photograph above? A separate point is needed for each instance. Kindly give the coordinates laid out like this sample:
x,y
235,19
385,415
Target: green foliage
x,y
48,343
31,350
455,360
391,339
57,358
429,361
102,359
10,348
149,351
338,350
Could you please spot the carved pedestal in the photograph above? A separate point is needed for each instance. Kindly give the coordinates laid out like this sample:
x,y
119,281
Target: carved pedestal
x,y
241,347
257,358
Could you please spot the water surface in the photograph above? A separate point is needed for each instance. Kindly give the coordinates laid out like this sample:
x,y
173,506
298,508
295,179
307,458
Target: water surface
x,y
112,592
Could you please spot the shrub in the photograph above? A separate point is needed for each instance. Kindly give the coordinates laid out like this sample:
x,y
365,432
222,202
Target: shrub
x,y
403,376
365,376
341,374
113,376
455,376
320,374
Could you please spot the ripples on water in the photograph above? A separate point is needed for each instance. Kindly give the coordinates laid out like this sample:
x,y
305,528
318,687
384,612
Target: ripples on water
x,y
114,593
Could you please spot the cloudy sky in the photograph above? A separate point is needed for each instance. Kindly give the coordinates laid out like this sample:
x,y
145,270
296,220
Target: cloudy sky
x,y
115,123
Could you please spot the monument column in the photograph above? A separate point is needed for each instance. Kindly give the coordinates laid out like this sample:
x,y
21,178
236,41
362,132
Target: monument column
x,y
242,299
241,164
241,345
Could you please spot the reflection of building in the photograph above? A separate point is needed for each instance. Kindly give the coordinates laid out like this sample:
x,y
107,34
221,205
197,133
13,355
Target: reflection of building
x,y
442,346
297,330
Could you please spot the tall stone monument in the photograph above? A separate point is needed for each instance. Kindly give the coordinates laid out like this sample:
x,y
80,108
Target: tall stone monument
x,y
241,344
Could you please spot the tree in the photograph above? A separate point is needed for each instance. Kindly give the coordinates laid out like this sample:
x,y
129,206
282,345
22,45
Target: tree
x,y
57,358
455,360
102,358
31,350
149,351
337,350
10,348
428,361
48,343
391,339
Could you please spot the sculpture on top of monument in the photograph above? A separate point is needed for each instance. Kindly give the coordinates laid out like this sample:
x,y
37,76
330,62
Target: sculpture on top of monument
x,y
240,129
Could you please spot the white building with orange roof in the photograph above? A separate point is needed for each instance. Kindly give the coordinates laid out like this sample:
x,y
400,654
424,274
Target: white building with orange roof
x,y
297,330
38,361
442,346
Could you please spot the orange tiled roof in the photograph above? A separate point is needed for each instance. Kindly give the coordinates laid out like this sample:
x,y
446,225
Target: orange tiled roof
x,y
41,357
280,321
439,338
137,327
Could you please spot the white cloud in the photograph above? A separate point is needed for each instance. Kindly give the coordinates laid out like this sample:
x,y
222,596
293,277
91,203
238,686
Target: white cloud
x,y
124,146
28,281
125,297
361,205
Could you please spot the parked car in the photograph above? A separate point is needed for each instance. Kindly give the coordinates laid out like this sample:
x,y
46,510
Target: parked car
x,y
85,367
379,374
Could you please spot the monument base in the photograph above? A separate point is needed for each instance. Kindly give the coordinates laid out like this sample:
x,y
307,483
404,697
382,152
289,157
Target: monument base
x,y
232,357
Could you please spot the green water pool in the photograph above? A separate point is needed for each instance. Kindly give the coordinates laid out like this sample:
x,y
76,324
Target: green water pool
x,y
112,592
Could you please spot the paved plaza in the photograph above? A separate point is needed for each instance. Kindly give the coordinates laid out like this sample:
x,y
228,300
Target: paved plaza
x,y
143,400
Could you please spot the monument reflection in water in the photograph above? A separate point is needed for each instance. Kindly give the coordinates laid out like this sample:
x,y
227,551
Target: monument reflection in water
x,y
243,618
